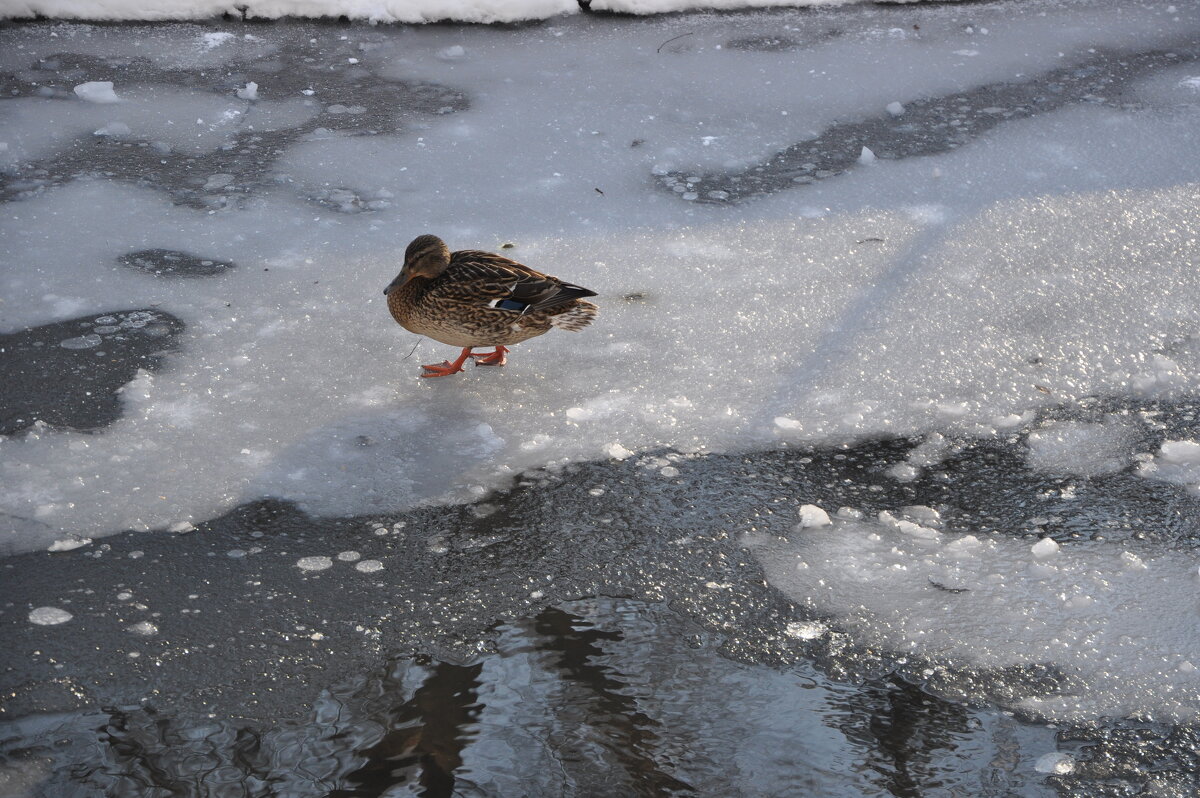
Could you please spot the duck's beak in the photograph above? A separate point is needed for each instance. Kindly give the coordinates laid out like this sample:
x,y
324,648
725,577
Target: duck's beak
x,y
393,285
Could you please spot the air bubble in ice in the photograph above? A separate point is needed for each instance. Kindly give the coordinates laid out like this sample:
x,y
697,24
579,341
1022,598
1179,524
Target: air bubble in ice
x,y
81,342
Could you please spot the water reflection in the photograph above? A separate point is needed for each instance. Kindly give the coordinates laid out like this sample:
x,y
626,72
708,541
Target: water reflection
x,y
596,697
425,738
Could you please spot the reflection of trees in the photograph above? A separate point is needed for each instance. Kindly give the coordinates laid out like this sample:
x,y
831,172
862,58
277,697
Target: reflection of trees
x,y
146,754
626,733
900,729
425,738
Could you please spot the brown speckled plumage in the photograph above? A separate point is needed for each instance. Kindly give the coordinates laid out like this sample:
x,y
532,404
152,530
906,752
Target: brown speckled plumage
x,y
474,299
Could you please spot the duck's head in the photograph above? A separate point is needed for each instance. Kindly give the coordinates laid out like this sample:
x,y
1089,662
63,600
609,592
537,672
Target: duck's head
x,y
426,256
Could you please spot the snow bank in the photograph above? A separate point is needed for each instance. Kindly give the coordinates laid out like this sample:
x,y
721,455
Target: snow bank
x,y
485,11
370,10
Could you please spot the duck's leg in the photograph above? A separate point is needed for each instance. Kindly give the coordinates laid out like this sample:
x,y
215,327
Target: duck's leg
x,y
447,368
496,358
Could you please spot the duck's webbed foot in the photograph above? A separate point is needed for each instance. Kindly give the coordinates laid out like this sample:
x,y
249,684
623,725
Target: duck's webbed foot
x,y
496,358
446,368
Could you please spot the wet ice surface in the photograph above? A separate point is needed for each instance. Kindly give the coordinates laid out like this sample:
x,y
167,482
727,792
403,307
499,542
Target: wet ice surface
x,y
70,374
994,319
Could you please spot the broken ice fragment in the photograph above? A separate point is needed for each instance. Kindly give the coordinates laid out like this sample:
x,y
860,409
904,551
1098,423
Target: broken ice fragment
x,y
113,129
805,630
97,91
1044,549
1056,763
813,516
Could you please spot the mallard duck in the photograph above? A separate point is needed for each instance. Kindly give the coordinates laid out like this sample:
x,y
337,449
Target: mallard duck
x,y
476,299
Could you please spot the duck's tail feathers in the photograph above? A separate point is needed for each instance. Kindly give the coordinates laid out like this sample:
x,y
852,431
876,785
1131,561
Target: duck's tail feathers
x,y
576,316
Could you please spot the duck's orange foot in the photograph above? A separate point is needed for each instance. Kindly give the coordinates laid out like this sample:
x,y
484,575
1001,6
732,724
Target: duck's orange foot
x,y
446,368
496,358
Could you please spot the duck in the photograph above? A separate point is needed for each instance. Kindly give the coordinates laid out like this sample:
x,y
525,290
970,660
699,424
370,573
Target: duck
x,y
475,299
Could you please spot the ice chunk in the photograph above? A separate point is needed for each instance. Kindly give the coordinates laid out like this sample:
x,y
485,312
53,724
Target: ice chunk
x,y
249,91
1055,763
97,91
218,181
67,544
806,630
1176,461
895,108
368,566
142,628
314,563
617,452
113,129
1086,449
49,616
866,156
215,39
813,516
1044,549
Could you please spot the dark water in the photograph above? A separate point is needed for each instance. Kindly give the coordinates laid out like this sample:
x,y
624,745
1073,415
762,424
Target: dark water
x,y
602,697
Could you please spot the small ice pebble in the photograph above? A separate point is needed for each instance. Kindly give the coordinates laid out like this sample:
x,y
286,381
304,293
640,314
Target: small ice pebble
x,y
812,515
1044,549
97,91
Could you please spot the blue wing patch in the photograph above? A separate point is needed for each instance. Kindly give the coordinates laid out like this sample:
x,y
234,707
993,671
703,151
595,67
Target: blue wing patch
x,y
510,304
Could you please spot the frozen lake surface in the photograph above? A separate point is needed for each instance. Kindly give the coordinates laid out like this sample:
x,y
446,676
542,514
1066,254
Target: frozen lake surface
x,y
877,474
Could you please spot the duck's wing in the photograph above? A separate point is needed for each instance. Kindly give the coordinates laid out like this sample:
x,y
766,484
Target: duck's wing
x,y
483,278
